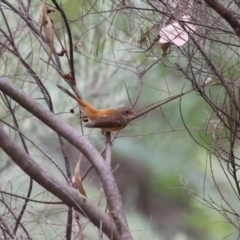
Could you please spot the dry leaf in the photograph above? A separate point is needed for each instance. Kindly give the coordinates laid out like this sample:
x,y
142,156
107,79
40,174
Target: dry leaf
x,y
48,27
165,47
67,76
62,52
77,179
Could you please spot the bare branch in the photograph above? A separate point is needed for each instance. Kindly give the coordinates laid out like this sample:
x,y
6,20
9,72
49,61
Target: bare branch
x,y
226,14
80,142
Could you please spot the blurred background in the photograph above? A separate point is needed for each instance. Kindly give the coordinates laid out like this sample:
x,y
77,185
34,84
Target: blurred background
x,y
163,174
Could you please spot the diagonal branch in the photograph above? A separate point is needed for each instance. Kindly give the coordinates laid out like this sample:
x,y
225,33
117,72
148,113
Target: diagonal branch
x,y
226,14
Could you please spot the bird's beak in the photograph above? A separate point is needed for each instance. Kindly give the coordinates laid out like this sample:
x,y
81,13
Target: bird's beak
x,y
135,115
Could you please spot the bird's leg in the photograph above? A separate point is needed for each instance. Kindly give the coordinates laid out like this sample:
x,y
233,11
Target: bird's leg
x,y
107,137
108,153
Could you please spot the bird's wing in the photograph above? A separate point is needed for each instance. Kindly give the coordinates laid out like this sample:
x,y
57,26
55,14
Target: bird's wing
x,y
106,122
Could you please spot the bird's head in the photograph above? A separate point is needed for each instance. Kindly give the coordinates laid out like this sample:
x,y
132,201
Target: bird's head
x,y
127,113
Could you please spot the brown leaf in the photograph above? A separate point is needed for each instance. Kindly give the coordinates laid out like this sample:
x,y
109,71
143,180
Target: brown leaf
x,y
62,52
48,27
165,47
67,76
146,34
50,10
77,178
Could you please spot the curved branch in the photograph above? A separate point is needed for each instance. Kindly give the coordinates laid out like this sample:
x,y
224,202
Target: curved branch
x,y
81,143
61,190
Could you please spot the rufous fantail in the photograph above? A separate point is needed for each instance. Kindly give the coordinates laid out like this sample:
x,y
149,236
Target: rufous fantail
x,y
109,119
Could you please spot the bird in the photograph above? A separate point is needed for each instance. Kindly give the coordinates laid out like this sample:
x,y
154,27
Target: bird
x,y
109,119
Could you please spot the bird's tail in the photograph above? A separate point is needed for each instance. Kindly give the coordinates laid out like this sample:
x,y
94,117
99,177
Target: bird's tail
x,y
80,101
85,107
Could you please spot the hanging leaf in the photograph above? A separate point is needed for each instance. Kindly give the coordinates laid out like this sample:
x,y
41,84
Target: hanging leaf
x,y
48,27
77,179
165,47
